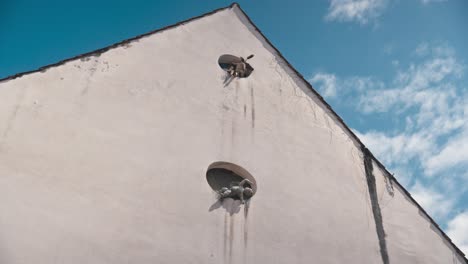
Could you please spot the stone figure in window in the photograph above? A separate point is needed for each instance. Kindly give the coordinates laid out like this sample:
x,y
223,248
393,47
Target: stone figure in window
x,y
235,66
236,190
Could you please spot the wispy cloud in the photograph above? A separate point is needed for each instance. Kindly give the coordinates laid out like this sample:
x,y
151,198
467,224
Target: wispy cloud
x,y
426,107
435,203
454,153
360,11
432,1
396,150
458,231
330,86
388,48
327,83
422,49
428,96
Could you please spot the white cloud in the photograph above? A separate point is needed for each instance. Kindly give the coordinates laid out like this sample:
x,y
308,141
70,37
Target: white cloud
x,y
426,104
432,1
361,11
388,48
362,84
428,110
426,97
442,49
396,150
330,86
403,175
457,230
419,85
455,152
326,84
433,105
436,204
422,49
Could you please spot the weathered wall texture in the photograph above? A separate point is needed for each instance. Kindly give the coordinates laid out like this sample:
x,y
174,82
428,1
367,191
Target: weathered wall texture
x,y
411,237
103,160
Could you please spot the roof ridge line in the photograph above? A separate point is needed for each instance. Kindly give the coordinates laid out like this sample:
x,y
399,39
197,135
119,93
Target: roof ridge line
x,y
99,51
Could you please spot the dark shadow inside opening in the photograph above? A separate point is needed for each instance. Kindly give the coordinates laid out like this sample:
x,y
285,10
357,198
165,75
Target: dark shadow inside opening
x,y
235,66
218,178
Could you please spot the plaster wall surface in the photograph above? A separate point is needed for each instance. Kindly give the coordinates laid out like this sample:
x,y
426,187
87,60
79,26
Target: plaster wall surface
x,y
103,159
411,237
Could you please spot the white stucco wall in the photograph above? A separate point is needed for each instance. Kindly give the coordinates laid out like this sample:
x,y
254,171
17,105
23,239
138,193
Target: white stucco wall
x,y
103,159
410,235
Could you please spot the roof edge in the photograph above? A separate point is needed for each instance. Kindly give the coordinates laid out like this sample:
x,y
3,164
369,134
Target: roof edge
x,y
99,51
354,136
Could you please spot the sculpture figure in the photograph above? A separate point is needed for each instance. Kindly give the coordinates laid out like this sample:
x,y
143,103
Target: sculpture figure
x,y
241,191
235,66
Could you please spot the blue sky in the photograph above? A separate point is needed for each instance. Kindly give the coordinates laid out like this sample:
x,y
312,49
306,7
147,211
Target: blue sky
x,y
395,70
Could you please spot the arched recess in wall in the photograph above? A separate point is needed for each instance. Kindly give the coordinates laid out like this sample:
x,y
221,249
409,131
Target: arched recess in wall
x,y
221,174
236,66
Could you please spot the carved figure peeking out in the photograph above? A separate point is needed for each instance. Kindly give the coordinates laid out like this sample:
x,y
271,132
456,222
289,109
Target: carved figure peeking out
x,y
236,66
241,191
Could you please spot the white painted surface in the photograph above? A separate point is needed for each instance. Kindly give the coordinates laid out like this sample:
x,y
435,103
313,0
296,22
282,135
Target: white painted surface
x,y
411,237
103,160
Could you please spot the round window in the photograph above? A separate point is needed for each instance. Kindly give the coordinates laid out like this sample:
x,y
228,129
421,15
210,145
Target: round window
x,y
235,66
225,175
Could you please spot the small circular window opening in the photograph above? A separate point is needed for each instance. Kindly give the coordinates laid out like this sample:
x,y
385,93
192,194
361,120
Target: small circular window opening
x,y
236,66
231,181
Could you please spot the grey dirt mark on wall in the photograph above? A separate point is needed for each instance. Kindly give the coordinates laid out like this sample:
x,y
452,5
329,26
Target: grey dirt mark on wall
x,y
232,224
231,207
375,204
246,229
226,234
12,117
245,111
252,101
92,70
